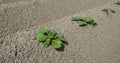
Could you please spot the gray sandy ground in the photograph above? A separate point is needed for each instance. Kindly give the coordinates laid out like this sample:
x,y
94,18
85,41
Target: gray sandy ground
x,y
9,1
19,22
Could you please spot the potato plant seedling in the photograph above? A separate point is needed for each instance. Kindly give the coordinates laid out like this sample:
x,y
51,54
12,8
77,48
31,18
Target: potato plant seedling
x,y
83,21
107,11
118,3
49,37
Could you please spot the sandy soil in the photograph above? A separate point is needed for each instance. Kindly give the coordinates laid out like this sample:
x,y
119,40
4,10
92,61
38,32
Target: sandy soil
x,y
19,20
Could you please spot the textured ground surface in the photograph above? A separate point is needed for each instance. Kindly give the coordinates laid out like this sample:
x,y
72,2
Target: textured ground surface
x,y
19,20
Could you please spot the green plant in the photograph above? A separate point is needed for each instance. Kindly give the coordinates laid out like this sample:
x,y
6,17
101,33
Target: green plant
x,y
49,37
83,21
106,11
118,3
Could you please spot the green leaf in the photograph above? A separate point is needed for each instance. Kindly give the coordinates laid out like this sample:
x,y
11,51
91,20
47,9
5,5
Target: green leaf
x,y
51,34
46,45
40,37
56,43
47,42
89,19
78,18
75,19
43,30
94,23
118,3
62,38
106,11
82,23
